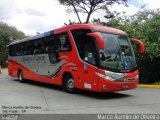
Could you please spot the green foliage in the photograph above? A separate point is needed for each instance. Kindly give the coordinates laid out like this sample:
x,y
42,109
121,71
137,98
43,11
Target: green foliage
x,y
7,34
144,25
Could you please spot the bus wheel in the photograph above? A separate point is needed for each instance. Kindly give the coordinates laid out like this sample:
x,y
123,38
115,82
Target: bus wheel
x,y
20,76
69,84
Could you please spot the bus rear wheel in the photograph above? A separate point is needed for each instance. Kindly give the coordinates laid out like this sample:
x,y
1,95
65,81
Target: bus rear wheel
x,y
20,76
69,84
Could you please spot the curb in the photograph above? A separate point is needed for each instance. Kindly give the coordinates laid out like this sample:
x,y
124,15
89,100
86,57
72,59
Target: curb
x,y
2,70
148,86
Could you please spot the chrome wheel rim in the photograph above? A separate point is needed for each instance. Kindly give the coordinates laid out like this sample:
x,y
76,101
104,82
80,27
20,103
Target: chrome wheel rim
x,y
70,83
20,76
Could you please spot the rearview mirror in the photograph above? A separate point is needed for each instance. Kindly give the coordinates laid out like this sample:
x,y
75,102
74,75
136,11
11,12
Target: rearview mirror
x,y
98,38
141,44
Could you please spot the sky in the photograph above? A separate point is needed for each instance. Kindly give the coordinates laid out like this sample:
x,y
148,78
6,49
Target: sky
x,y
32,16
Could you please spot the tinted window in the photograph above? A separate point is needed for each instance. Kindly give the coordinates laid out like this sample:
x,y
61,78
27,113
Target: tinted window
x,y
48,44
79,38
38,46
85,45
63,42
90,51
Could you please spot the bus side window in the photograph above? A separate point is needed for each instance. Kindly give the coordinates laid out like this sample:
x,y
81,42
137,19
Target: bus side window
x,y
12,50
85,45
63,42
90,51
79,38
49,44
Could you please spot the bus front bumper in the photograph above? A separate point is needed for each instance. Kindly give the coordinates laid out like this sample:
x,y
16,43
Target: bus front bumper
x,y
111,86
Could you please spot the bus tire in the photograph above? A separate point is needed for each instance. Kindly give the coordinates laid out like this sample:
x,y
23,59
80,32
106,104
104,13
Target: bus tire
x,y
69,84
20,76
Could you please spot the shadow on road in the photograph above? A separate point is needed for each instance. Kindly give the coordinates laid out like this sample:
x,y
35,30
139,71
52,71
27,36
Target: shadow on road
x,y
41,84
104,96
95,95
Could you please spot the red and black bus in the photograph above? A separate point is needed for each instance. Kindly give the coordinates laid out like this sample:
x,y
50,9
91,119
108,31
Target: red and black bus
x,y
80,56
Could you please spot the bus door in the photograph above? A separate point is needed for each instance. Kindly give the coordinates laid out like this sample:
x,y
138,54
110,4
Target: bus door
x,y
89,66
86,49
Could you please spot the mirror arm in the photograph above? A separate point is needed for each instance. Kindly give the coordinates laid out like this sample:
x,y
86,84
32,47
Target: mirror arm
x,y
93,35
142,48
97,37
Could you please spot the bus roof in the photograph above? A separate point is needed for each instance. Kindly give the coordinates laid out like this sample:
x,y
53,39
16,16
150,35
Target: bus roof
x,y
73,27
90,26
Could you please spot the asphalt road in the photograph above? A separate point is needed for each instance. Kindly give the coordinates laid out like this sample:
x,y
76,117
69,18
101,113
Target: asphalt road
x,y
33,97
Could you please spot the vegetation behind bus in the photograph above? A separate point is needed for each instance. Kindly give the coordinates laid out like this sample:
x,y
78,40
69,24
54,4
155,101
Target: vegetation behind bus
x,y
7,34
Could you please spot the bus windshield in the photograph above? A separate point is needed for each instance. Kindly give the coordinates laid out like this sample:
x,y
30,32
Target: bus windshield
x,y
118,53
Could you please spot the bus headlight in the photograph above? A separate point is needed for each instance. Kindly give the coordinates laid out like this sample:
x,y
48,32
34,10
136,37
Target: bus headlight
x,y
133,78
117,77
105,76
110,78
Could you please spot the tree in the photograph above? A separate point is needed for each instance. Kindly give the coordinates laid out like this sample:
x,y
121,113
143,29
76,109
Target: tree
x,y
88,6
7,35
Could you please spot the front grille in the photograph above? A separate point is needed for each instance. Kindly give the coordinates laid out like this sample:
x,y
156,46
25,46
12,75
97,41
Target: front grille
x,y
119,80
125,79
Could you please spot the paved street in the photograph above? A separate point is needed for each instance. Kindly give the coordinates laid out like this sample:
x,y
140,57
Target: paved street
x,y
44,98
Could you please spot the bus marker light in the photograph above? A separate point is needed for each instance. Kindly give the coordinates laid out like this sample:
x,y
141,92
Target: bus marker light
x,y
85,66
104,86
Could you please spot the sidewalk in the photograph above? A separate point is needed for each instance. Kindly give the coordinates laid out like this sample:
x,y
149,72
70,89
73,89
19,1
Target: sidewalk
x,y
2,71
149,86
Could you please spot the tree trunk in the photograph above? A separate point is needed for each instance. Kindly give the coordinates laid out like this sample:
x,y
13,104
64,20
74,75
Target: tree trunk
x,y
76,12
88,17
